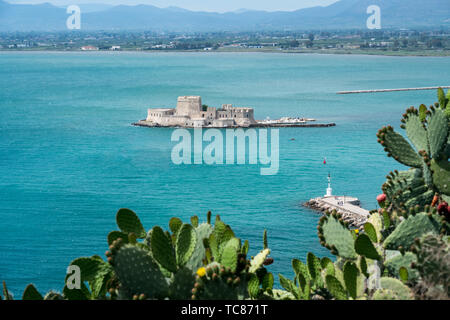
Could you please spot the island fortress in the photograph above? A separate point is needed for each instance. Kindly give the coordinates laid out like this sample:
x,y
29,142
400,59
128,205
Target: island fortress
x,y
191,113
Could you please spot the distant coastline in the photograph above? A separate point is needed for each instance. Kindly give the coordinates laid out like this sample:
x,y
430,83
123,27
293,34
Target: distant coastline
x,y
431,53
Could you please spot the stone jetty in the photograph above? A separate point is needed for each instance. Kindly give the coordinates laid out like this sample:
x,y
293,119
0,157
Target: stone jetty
x,y
348,207
392,90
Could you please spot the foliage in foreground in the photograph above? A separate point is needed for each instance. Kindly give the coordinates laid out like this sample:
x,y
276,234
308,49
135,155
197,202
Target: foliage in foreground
x,y
402,252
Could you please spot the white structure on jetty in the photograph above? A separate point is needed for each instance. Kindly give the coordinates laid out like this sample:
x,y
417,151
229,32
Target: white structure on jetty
x,y
348,207
329,189
190,112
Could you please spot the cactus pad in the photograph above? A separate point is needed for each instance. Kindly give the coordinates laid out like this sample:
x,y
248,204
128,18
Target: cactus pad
x,y
185,244
194,221
337,236
229,256
394,264
114,235
437,132
399,148
376,219
407,188
129,222
267,282
290,286
203,231
369,229
301,269
365,247
253,286
385,294
182,284
138,273
397,287
441,175
162,249
31,293
335,287
218,284
416,132
89,267
314,268
411,228
351,273
175,224
327,265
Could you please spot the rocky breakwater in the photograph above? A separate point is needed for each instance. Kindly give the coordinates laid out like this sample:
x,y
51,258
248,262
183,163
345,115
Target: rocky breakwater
x,y
348,207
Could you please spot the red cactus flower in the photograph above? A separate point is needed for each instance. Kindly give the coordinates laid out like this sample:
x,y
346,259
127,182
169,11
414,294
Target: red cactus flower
x,y
381,198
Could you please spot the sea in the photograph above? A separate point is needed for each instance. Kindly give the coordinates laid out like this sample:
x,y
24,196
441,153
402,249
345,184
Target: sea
x,y
70,158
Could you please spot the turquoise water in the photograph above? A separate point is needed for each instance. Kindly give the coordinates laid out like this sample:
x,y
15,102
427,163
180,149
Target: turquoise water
x,y
69,158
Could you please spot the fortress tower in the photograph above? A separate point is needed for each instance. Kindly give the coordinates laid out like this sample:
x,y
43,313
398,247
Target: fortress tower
x,y
189,105
189,113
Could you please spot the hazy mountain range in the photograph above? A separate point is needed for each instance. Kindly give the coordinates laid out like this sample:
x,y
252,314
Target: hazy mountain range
x,y
345,14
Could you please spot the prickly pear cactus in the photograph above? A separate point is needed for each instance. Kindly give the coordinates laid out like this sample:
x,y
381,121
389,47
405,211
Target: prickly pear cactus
x,y
336,288
385,294
203,231
394,265
411,228
395,286
398,147
433,266
128,222
407,189
31,293
335,236
181,285
219,283
441,175
186,239
428,131
138,272
229,254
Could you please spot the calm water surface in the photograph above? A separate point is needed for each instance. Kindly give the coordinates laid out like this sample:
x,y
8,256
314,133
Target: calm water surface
x,y
69,158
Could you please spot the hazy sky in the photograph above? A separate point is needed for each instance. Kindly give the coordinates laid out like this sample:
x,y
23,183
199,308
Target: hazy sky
x,y
203,5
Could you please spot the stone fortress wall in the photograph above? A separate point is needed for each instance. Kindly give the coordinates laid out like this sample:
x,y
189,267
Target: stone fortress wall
x,y
189,113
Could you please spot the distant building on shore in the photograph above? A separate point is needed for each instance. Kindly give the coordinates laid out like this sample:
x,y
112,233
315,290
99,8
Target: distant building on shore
x,y
89,48
190,112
